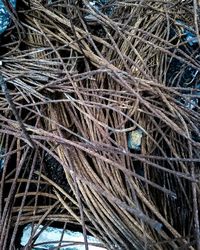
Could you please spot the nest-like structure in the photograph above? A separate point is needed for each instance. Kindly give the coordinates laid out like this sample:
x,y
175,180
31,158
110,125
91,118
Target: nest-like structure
x,y
72,89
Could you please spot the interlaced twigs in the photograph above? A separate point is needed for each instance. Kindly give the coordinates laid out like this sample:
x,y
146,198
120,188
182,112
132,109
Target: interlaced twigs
x,y
14,110
86,76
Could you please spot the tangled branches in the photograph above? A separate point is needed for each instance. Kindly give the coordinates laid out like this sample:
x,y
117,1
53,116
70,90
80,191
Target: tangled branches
x,y
81,78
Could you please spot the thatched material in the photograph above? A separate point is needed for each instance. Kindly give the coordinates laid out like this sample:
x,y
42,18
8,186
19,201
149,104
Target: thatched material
x,y
79,88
